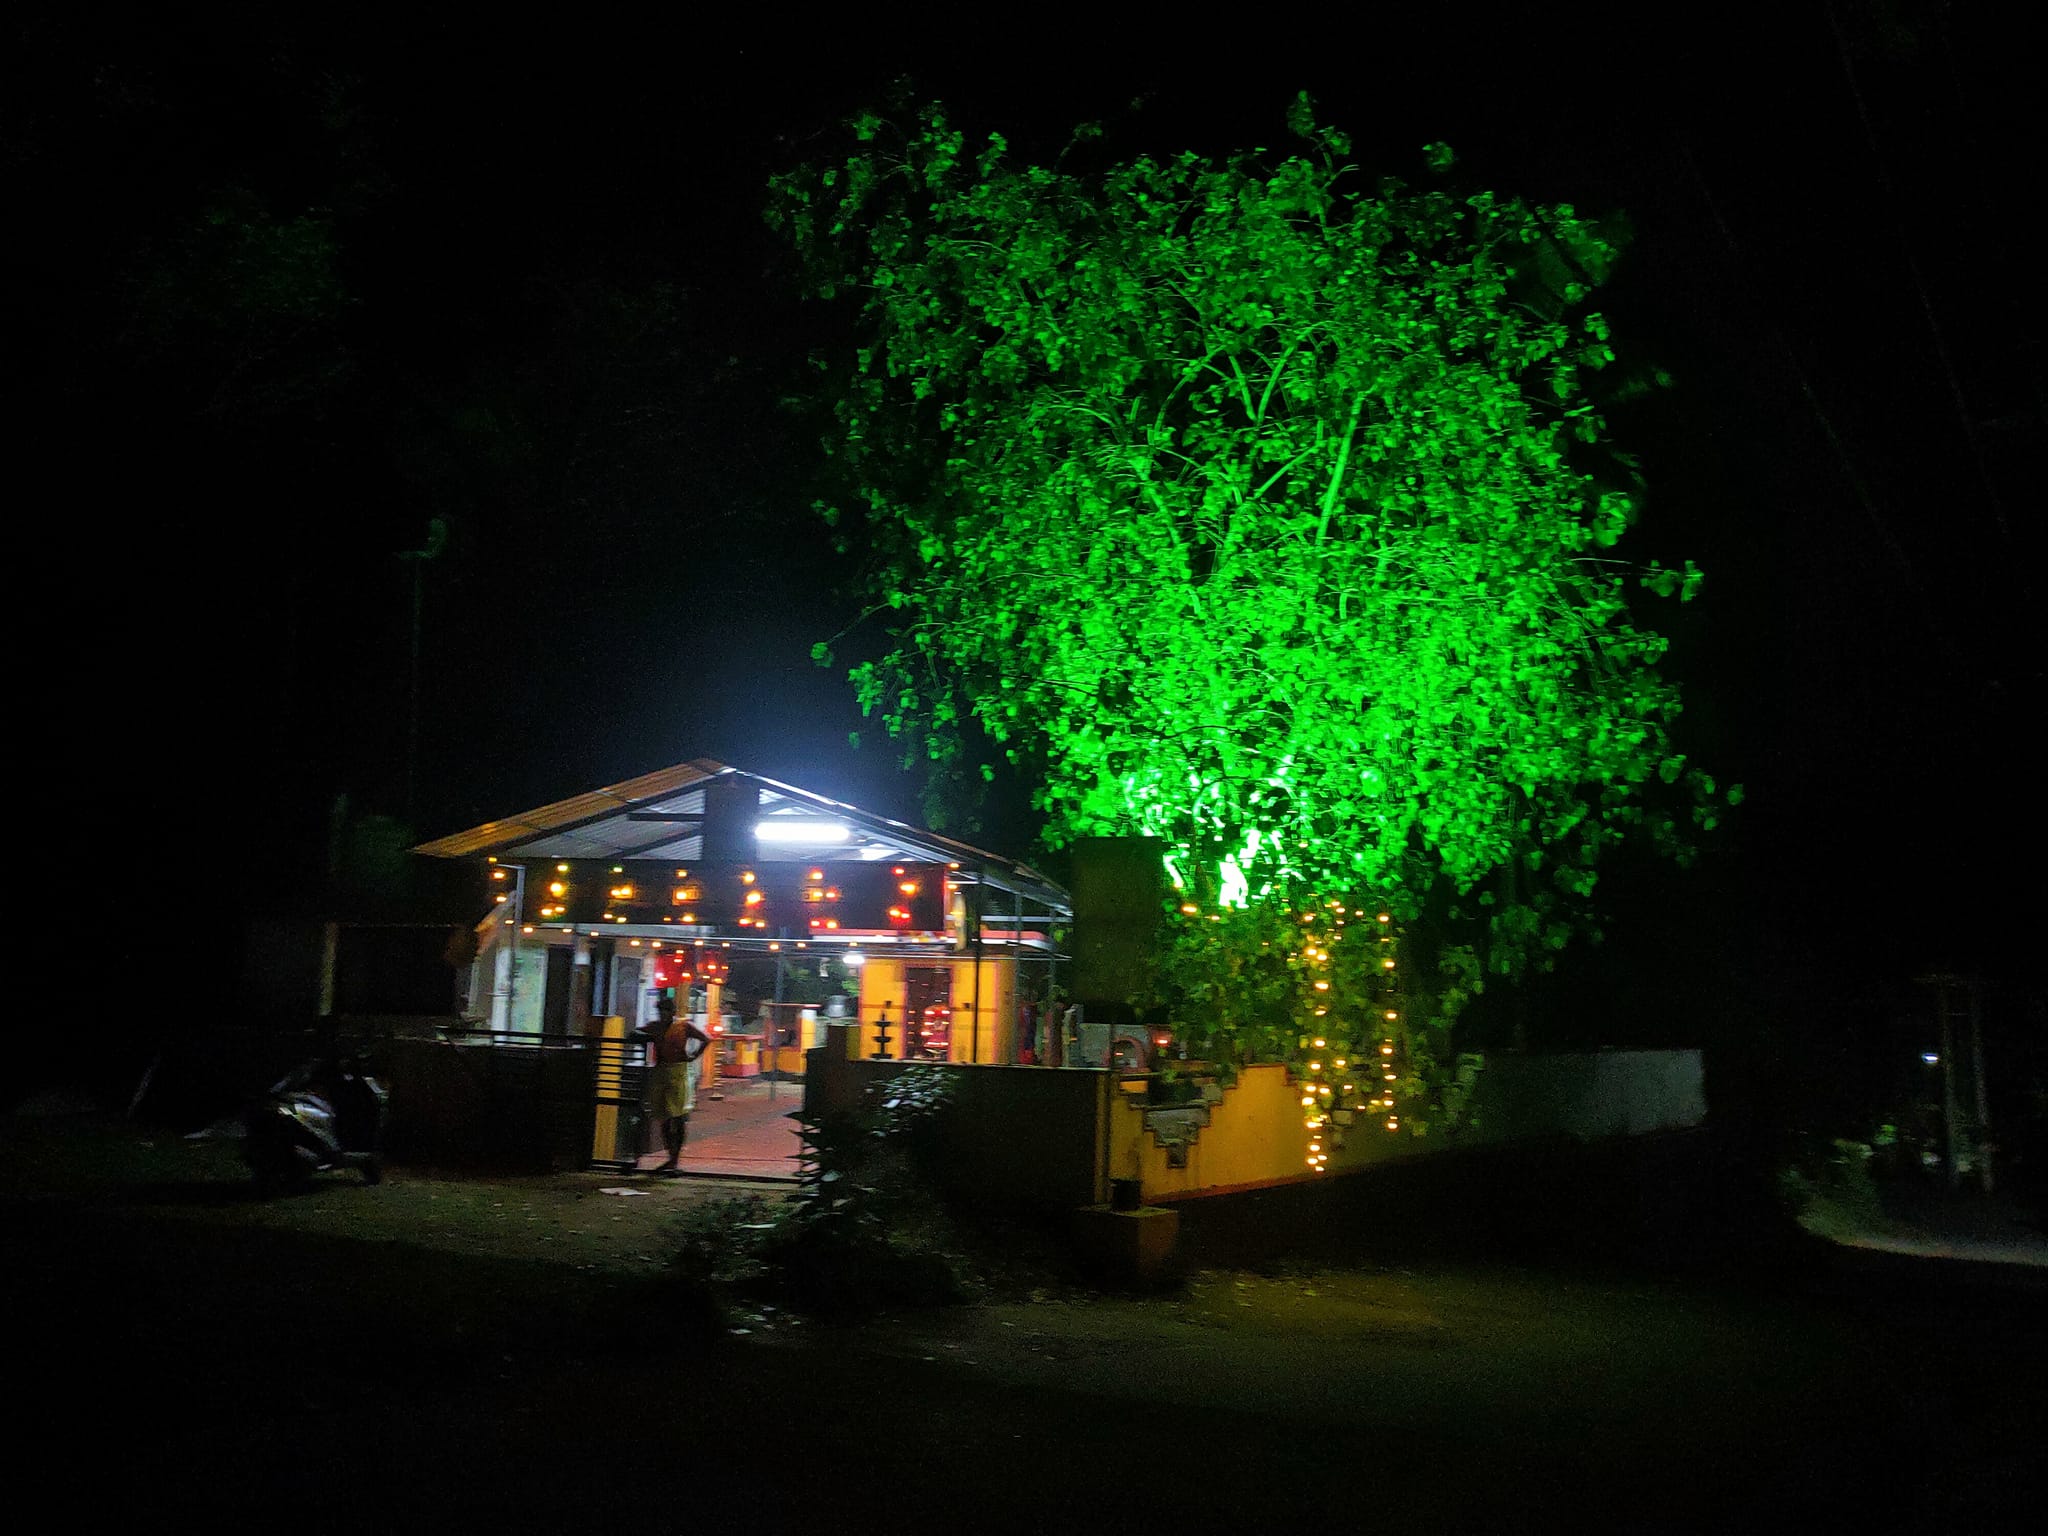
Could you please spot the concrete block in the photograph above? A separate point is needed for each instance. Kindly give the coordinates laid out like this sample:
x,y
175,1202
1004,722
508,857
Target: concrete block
x,y
1127,1247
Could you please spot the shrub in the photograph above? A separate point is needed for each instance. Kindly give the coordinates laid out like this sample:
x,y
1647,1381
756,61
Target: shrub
x,y
1829,1187
867,1230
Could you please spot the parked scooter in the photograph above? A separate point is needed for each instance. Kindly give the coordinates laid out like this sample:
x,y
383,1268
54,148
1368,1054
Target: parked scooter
x,y
327,1114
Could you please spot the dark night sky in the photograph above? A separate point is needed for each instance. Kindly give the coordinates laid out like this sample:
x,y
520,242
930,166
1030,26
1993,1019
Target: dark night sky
x,y
634,578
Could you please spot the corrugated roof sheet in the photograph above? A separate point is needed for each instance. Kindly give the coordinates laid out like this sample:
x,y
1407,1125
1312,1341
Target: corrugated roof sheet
x,y
635,794
600,825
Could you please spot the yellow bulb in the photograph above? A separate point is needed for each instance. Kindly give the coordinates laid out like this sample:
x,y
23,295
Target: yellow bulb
x,y
1319,1042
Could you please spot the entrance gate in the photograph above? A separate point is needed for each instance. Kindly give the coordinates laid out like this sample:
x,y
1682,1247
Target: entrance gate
x,y
619,1084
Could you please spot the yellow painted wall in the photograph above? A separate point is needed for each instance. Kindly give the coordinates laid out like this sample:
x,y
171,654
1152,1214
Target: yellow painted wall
x,y
1255,1136
881,982
984,1029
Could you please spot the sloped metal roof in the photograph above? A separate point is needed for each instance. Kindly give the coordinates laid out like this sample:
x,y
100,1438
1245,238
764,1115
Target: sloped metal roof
x,y
622,821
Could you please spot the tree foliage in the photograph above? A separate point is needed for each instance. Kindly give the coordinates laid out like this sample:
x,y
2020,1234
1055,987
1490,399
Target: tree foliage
x,y
1270,501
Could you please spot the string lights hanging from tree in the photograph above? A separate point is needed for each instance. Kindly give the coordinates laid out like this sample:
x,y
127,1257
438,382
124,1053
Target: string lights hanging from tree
x,y
1350,1059
1326,987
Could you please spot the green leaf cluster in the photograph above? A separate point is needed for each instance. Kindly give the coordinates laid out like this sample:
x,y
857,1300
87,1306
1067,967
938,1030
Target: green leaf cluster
x,y
1265,504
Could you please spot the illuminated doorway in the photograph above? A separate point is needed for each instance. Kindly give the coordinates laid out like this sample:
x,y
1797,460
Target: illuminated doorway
x,y
928,1011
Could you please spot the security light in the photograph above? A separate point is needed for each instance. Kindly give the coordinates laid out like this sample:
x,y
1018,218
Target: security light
x,y
788,830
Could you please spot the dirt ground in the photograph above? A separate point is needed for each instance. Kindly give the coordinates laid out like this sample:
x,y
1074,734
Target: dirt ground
x,y
561,1218
469,1352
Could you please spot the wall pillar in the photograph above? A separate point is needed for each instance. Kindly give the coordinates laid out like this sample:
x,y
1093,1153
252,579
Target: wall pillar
x,y
714,1019
580,981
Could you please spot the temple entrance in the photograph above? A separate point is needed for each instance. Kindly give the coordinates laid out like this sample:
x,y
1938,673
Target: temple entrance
x,y
764,909
740,1126
927,1011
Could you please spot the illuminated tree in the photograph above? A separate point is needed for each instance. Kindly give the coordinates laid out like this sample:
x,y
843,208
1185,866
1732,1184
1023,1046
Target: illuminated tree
x,y
1265,500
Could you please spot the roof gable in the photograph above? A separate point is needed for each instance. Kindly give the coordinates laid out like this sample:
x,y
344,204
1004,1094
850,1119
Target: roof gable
x,y
658,816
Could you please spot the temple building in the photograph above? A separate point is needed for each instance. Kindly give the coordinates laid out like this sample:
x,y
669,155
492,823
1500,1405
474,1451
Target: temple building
x,y
764,909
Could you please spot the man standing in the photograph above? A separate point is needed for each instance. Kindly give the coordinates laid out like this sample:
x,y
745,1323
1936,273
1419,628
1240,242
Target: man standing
x,y
672,1084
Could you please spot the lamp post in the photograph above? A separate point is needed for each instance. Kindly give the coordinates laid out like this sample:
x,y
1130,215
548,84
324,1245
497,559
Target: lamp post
x,y
771,1037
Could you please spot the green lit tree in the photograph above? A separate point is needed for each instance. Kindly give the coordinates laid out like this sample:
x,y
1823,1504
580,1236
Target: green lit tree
x,y
1267,506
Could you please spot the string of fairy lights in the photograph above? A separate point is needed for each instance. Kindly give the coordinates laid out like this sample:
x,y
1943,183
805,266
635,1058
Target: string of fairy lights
x,y
1350,1072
